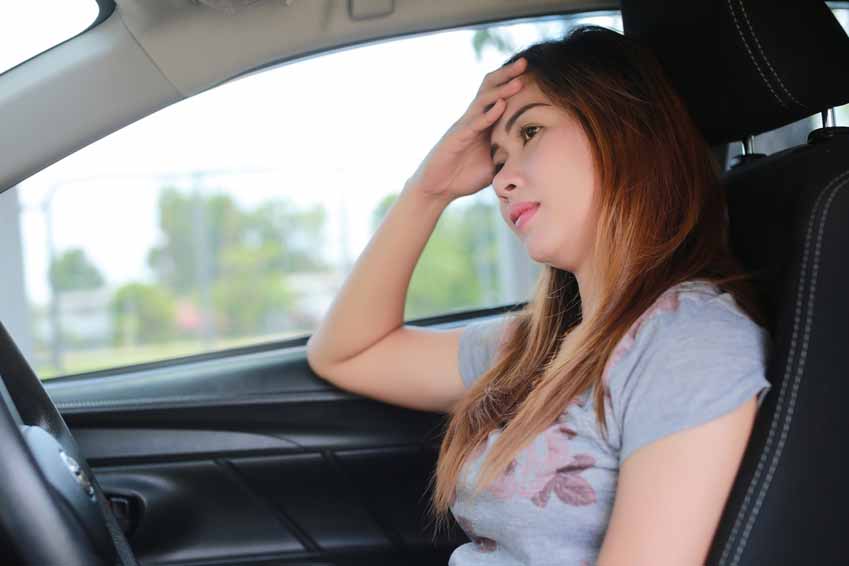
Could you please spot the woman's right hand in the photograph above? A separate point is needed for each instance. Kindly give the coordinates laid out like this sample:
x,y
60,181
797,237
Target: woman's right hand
x,y
460,163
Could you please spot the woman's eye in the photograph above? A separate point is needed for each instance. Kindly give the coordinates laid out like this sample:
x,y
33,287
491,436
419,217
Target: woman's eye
x,y
527,129
523,131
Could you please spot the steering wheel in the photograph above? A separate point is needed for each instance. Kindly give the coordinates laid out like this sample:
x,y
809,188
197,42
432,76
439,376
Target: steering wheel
x,y
52,510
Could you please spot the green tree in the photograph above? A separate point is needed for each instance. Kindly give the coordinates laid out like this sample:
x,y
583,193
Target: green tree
x,y
458,266
143,314
73,271
251,304
491,37
292,238
202,229
234,261
194,229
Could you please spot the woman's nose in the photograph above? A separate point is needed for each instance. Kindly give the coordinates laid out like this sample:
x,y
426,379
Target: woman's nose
x,y
504,182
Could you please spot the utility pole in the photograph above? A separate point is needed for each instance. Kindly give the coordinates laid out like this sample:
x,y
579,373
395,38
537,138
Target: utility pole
x,y
56,343
203,263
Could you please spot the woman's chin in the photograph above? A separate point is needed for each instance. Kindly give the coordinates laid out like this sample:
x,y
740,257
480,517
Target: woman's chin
x,y
534,252
541,254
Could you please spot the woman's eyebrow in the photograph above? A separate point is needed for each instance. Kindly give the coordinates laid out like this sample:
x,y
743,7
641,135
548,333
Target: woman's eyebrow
x,y
512,120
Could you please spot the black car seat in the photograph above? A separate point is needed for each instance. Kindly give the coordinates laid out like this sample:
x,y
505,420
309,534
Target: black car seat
x,y
745,67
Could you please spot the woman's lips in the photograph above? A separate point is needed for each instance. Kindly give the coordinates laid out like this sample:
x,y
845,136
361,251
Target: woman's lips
x,y
525,217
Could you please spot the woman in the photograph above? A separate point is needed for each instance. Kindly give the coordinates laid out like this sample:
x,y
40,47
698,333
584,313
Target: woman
x,y
634,373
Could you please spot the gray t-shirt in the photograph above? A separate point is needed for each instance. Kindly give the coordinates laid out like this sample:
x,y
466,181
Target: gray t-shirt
x,y
691,357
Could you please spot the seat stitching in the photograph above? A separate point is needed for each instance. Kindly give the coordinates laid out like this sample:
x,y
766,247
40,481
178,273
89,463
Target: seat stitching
x,y
752,55
763,54
781,394
808,320
782,390
789,365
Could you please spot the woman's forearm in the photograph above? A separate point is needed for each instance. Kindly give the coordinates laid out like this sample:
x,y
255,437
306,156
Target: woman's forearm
x,y
370,304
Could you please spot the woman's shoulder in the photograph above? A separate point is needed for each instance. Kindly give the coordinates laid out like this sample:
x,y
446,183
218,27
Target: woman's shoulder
x,y
701,303
695,356
694,302
693,316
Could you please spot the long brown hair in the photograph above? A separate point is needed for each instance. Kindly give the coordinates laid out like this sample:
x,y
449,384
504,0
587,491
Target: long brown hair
x,y
662,221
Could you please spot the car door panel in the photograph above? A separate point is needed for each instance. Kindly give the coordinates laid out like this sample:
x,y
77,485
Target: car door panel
x,y
252,459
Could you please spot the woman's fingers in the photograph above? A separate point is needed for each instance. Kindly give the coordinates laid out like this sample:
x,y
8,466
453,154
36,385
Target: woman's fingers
x,y
484,101
502,74
489,116
490,101
470,127
482,105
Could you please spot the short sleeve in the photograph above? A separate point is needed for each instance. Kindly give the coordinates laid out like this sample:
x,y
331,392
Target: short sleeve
x,y
479,343
686,368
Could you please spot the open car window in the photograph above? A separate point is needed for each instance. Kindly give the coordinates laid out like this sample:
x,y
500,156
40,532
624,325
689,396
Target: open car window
x,y
231,219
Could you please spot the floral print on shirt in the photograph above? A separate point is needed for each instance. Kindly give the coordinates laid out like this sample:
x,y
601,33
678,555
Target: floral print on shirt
x,y
548,466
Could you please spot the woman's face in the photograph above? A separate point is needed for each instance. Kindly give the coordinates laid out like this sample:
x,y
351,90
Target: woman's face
x,y
546,160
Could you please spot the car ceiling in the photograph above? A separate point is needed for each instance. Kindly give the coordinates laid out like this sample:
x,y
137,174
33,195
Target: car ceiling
x,y
147,55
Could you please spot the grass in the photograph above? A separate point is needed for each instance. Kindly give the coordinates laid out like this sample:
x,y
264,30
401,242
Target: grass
x,y
82,361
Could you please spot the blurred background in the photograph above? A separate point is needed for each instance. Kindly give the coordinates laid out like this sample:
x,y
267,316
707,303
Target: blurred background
x,y
232,218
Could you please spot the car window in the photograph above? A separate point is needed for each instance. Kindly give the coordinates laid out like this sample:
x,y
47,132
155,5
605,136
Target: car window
x,y
797,132
232,218
30,27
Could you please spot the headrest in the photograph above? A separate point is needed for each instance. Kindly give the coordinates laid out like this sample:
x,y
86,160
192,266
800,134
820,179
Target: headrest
x,y
745,66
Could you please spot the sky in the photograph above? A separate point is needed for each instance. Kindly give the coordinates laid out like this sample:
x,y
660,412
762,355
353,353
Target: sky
x,y
25,32
343,130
